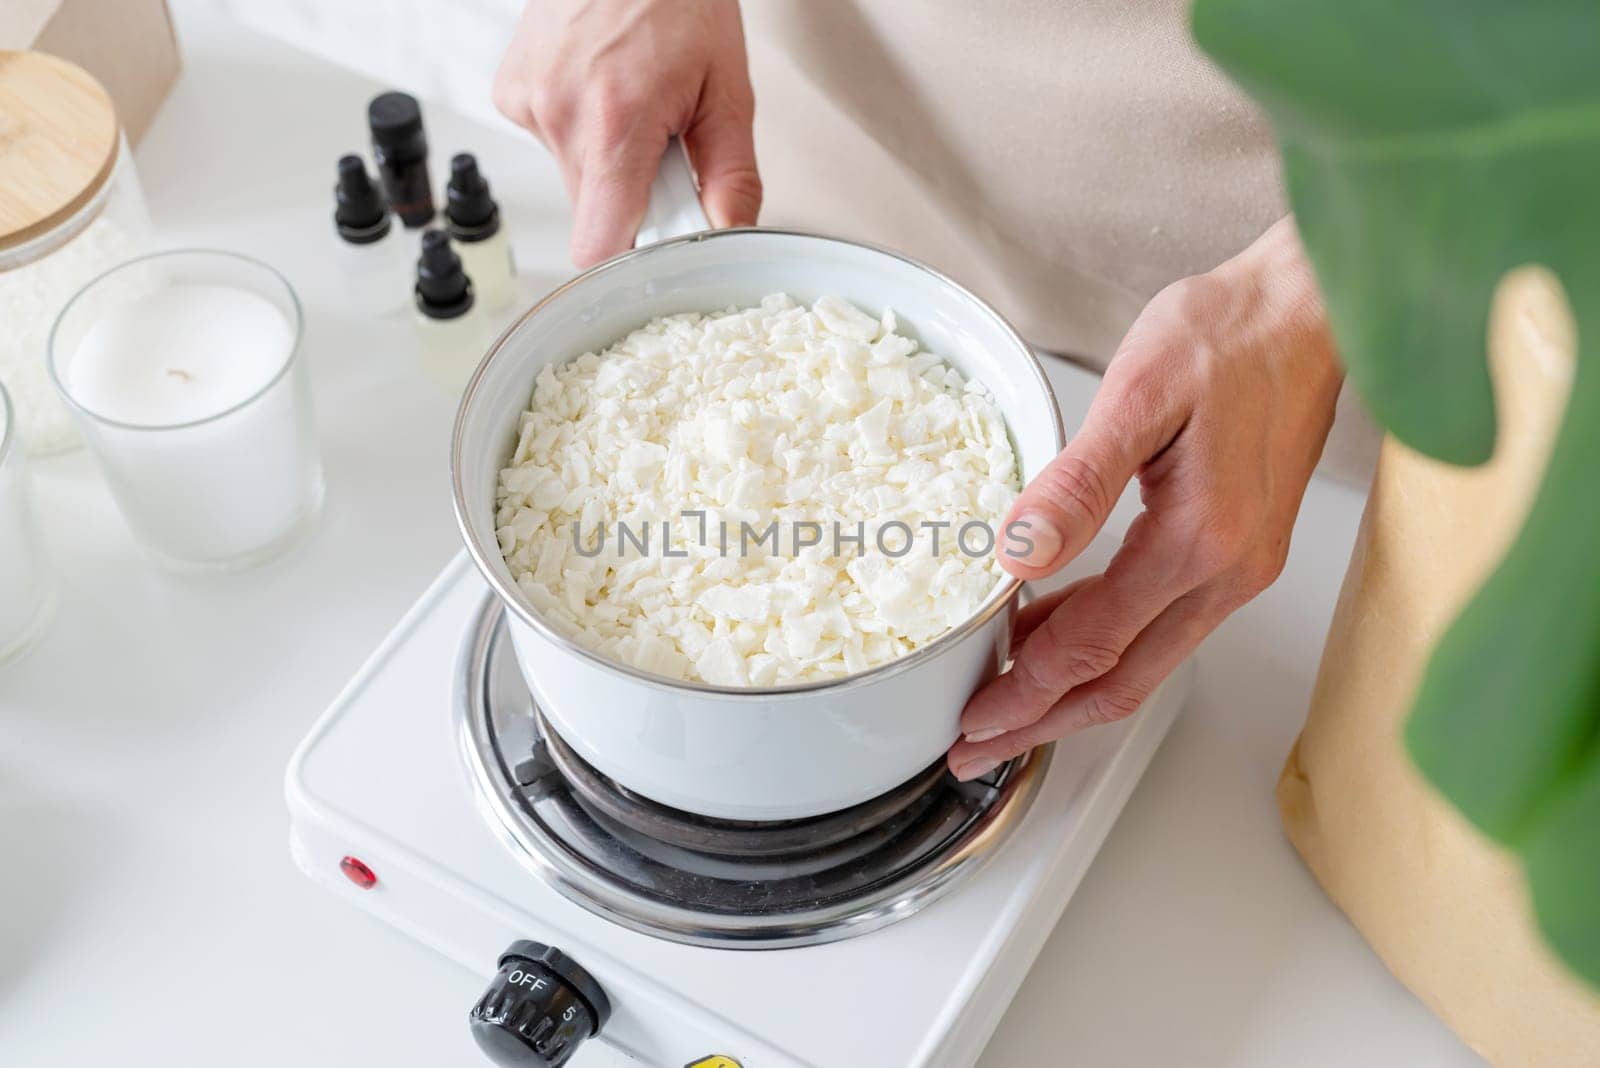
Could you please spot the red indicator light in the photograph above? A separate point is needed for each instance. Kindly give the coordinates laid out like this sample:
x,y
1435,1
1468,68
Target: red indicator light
x,y
358,873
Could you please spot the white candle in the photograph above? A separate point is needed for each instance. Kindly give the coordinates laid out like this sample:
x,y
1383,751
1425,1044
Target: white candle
x,y
200,414
24,574
184,353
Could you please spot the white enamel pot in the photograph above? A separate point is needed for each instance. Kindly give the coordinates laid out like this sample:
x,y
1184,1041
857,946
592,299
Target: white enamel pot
x,y
745,754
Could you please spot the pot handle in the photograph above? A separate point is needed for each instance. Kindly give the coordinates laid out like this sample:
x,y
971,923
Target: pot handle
x,y
674,208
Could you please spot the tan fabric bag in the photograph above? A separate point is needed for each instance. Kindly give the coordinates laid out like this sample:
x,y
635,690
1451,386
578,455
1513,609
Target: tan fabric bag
x,y
1446,909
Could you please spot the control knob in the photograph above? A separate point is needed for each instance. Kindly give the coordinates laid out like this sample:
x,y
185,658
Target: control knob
x,y
539,1008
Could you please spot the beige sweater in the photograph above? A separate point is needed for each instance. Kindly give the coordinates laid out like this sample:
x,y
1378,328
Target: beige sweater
x,y
1064,159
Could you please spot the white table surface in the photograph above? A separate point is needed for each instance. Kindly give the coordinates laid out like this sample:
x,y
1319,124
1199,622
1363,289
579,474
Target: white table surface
x,y
149,912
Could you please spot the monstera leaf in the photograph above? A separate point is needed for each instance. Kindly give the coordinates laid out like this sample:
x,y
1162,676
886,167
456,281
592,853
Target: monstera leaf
x,y
1429,147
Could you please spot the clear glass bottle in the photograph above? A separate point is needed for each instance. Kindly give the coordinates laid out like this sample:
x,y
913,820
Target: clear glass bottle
x,y
83,213
450,326
473,220
374,259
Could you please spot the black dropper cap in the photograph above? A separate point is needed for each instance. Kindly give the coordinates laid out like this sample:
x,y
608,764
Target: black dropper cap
x,y
470,211
443,289
359,213
396,122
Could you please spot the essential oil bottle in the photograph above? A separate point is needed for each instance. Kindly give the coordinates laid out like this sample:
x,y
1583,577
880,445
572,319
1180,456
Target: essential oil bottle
x,y
473,219
450,327
401,151
374,266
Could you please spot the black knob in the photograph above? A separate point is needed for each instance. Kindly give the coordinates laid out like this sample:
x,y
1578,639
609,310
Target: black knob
x,y
539,1009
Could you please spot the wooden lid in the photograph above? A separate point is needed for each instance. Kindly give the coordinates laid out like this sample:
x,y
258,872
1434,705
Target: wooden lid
x,y
58,143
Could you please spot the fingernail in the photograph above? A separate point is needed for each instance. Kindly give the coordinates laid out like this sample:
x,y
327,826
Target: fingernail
x,y
974,768
1032,539
984,735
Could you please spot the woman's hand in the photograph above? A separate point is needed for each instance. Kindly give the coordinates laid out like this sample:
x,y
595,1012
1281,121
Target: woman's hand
x,y
1218,401
605,83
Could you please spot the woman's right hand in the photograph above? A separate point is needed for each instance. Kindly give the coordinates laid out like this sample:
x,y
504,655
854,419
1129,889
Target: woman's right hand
x,y
605,83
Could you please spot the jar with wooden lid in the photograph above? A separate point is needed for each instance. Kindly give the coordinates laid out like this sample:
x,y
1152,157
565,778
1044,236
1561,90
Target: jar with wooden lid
x,y
70,209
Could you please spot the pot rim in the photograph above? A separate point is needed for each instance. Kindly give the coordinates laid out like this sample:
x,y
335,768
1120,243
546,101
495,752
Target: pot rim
x,y
1005,595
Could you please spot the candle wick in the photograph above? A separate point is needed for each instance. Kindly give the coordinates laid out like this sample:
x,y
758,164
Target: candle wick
x,y
180,373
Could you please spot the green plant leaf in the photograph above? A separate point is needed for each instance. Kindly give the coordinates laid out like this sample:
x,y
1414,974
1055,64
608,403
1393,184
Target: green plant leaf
x,y
1564,867
1429,147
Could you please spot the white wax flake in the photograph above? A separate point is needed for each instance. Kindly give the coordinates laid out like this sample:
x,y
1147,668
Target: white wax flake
x,y
722,665
749,603
779,414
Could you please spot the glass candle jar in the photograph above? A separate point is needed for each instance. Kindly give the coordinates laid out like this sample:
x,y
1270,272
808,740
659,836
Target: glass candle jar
x,y
26,583
72,208
186,374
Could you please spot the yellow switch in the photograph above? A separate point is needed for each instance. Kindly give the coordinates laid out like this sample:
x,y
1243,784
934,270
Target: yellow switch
x,y
716,1060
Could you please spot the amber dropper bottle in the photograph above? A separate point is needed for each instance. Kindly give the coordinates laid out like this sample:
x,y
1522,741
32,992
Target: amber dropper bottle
x,y
401,151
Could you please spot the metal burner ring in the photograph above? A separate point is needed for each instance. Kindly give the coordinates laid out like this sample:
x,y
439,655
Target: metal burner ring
x,y
553,835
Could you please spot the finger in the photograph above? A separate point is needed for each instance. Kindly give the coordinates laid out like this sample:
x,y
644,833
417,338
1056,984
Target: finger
x,y
721,143
513,100
1036,611
1149,660
1114,696
613,189
1087,634
1066,504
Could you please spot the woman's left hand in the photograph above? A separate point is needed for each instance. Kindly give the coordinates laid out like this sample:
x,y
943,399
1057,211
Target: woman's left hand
x,y
1218,401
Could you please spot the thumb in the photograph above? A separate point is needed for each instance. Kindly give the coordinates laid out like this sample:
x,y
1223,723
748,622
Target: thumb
x,y
1063,508
613,189
722,145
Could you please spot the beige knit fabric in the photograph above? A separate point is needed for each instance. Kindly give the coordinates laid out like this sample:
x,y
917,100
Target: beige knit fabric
x,y
1064,159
